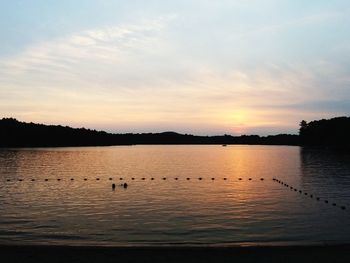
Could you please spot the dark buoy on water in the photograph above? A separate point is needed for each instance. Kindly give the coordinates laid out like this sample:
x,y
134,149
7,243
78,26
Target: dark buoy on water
x,y
110,178
152,178
125,185
143,178
225,178
132,178
343,207
113,186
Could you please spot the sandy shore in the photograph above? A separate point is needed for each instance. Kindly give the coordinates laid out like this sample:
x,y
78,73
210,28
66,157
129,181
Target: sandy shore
x,y
298,254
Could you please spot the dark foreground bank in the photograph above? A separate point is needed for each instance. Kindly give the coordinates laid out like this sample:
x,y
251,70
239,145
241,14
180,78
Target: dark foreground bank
x,y
175,254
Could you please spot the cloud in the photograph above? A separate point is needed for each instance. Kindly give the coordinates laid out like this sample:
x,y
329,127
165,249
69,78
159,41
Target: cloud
x,y
100,46
135,77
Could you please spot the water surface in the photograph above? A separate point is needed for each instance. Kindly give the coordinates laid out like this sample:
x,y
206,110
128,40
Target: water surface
x,y
53,209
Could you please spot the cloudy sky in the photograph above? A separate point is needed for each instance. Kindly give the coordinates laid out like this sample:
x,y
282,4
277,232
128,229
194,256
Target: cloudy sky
x,y
202,67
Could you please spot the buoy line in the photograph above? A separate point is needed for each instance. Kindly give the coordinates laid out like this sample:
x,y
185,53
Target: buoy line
x,y
305,193
134,178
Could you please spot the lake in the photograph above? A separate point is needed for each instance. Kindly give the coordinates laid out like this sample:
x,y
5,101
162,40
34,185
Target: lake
x,y
176,195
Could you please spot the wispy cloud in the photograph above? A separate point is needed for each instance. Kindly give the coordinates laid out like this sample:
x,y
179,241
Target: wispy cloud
x,y
307,20
148,76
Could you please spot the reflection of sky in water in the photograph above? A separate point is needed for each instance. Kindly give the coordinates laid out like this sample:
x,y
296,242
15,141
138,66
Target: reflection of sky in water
x,y
169,211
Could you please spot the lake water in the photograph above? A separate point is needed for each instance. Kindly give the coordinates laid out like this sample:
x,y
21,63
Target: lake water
x,y
205,209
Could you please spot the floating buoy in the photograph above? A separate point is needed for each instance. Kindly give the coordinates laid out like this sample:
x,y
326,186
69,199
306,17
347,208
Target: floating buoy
x,y
250,179
8,180
326,201
213,179
72,179
121,178
295,189
164,178
291,187
261,179
125,185
317,198
85,179
176,178
188,178
152,178
334,204
143,178
110,178
305,193
200,178
225,178
113,186
240,179
132,178
20,180
343,207
33,180
97,179
311,196
46,180
58,179
300,191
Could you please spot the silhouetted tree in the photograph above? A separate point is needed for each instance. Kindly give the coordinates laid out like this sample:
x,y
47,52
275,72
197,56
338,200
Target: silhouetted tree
x,y
20,134
331,133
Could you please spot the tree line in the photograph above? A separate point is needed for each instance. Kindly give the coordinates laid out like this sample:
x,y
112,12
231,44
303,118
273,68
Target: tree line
x,y
333,132
14,133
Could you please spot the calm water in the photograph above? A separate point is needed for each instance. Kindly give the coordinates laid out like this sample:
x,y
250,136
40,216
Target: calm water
x,y
153,212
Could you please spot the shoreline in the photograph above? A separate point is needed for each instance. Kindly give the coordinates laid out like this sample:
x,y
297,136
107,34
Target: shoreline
x,y
61,253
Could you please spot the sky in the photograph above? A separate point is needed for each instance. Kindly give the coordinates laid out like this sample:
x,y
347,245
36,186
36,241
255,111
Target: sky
x,y
201,67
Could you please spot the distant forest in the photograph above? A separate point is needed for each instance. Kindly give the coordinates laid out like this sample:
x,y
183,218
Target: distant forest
x,y
328,133
13,133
